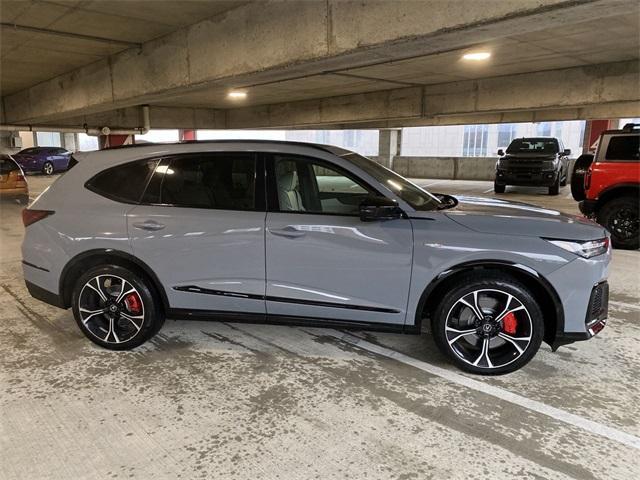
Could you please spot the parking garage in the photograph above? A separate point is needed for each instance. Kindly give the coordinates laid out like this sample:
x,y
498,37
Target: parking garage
x,y
430,89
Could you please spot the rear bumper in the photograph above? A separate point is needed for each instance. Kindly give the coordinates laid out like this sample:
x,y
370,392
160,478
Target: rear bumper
x,y
587,207
538,179
14,192
43,295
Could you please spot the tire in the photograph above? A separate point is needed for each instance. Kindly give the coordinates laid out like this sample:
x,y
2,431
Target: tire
x,y
563,179
577,177
136,318
47,168
555,188
466,350
620,217
498,187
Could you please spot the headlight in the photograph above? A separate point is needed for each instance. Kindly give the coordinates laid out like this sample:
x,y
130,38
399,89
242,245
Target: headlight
x,y
588,249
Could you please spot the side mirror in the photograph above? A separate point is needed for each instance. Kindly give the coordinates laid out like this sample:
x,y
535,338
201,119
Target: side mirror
x,y
501,152
567,152
374,209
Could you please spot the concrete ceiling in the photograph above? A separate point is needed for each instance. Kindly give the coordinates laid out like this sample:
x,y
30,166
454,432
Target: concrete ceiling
x,y
605,40
41,50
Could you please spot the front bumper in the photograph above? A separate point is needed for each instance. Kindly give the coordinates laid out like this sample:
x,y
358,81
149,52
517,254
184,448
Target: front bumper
x,y
526,178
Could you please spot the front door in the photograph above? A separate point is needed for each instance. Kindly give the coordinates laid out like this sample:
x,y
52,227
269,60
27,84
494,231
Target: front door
x,y
200,228
322,261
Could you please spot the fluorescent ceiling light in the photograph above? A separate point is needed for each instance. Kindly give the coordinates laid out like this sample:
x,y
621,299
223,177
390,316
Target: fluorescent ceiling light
x,y
237,95
476,55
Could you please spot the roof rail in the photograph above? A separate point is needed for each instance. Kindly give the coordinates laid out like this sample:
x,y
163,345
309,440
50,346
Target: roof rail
x,y
631,126
225,140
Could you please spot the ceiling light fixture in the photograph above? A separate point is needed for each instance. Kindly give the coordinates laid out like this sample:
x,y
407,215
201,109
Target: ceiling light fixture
x,y
237,95
476,56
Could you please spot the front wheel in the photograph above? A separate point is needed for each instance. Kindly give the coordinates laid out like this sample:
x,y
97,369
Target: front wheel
x,y
490,324
555,188
498,188
116,308
620,217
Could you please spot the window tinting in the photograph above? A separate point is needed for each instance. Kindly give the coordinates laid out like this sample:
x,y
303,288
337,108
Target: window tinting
x,y
222,181
624,147
306,186
124,182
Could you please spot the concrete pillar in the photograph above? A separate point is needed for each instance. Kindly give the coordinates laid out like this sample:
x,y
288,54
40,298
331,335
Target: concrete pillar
x,y
107,141
69,141
592,130
186,135
389,142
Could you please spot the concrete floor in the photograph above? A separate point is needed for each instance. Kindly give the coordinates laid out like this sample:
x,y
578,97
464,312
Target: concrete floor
x,y
223,400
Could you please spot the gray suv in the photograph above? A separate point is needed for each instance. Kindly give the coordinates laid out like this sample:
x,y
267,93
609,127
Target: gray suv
x,y
308,235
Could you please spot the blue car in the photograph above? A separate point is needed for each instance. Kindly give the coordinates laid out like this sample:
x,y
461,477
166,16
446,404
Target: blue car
x,y
47,160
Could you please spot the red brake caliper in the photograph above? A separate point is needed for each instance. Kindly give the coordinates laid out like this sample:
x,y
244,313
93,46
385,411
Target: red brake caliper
x,y
509,323
133,304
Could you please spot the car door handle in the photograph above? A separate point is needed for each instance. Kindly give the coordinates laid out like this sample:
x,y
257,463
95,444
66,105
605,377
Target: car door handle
x,y
151,225
286,232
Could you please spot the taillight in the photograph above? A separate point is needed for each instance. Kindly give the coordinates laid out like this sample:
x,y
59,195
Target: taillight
x,y
30,217
20,178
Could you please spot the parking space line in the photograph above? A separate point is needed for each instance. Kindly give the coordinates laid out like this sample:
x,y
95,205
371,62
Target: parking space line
x,y
539,407
487,191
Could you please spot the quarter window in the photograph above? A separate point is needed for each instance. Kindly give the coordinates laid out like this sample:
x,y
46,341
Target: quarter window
x,y
624,148
123,183
222,181
313,187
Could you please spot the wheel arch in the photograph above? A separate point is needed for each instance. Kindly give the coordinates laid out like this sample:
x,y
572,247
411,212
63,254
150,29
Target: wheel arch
x,y
92,258
618,190
543,291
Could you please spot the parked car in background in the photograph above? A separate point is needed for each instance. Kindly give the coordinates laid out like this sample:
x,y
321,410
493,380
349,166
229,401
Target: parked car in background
x,y
535,162
12,182
47,160
607,184
310,235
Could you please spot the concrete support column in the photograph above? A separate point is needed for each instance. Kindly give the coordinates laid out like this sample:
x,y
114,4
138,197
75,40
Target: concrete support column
x,y
389,142
592,130
186,135
107,141
69,141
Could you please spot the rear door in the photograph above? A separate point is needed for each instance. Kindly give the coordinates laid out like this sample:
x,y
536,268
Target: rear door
x,y
323,262
200,228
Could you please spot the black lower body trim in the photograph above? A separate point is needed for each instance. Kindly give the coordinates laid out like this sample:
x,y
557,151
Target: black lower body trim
x,y
24,262
43,295
313,303
225,316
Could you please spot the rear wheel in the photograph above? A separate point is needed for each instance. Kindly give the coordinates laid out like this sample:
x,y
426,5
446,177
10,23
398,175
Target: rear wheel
x,y
498,187
490,324
577,177
47,168
620,217
116,308
564,178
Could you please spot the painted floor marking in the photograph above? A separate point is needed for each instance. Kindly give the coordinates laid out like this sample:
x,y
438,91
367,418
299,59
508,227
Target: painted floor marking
x,y
539,407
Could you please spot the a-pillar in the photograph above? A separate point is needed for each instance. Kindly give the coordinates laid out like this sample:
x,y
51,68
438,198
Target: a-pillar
x,y
389,141
592,131
107,141
186,135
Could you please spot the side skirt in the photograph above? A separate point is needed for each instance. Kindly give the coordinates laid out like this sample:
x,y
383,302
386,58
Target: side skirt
x,y
236,317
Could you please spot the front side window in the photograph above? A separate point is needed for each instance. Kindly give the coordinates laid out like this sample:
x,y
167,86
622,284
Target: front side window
x,y
305,185
623,148
123,183
222,181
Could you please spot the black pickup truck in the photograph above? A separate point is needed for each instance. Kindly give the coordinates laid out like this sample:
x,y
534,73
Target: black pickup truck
x,y
535,162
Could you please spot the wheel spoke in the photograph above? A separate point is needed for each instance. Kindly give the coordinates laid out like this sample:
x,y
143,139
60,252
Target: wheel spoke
x,y
506,310
97,288
484,353
138,327
514,341
92,313
475,308
458,334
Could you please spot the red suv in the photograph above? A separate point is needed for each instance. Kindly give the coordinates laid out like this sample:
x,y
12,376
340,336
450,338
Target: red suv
x,y
607,184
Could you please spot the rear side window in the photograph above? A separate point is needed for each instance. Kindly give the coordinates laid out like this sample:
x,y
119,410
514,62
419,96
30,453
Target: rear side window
x,y
624,148
124,183
224,181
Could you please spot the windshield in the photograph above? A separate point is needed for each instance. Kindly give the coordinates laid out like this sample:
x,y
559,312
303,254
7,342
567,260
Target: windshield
x,y
415,196
533,145
7,165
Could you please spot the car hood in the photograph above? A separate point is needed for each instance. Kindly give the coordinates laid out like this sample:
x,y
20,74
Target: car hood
x,y
493,215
